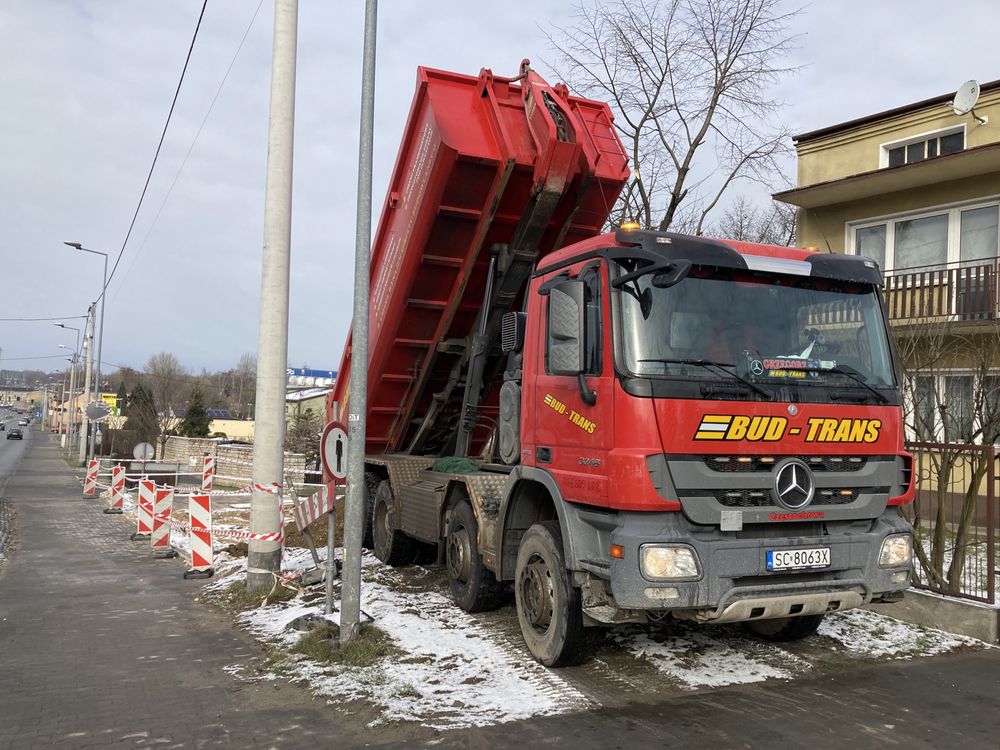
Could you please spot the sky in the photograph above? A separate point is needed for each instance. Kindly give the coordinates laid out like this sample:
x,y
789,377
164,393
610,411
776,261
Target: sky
x,y
87,84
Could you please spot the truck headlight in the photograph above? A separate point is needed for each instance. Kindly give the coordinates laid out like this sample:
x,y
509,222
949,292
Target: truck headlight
x,y
665,563
897,550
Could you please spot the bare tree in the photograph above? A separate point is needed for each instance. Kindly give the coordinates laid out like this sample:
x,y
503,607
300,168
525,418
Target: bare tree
x,y
952,401
688,81
168,383
245,377
743,220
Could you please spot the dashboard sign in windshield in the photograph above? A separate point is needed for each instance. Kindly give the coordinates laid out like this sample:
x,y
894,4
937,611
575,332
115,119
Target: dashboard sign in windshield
x,y
786,367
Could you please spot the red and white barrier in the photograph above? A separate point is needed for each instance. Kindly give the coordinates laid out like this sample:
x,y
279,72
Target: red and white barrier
x,y
200,528
208,473
312,507
159,538
117,490
90,482
144,509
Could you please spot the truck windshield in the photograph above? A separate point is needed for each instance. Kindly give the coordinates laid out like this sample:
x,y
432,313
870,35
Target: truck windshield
x,y
769,329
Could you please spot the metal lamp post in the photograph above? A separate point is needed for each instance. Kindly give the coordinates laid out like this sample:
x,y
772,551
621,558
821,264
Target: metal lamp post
x,y
100,332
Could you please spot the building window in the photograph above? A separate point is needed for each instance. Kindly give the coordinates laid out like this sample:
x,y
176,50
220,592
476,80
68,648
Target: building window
x,y
978,233
957,407
958,427
923,147
964,234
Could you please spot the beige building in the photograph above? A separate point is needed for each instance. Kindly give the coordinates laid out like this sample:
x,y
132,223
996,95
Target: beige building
x,y
917,189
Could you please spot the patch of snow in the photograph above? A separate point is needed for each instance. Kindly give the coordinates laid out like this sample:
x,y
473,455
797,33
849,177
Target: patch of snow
x,y
696,658
875,636
458,670
454,671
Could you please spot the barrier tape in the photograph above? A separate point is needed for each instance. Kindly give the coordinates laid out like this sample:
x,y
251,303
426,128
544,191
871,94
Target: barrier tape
x,y
227,461
226,532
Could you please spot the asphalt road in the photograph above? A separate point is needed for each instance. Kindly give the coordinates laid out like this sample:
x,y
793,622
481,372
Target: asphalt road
x,y
11,451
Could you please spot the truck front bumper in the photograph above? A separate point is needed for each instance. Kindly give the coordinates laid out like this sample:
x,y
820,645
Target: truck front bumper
x,y
733,583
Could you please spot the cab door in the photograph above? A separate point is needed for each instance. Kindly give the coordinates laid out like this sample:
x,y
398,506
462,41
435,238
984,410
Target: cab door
x,y
573,425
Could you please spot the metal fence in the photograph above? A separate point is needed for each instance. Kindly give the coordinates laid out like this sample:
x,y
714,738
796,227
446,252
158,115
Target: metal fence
x,y
955,519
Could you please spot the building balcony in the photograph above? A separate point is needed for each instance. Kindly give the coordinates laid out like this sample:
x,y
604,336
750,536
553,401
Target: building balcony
x,y
964,293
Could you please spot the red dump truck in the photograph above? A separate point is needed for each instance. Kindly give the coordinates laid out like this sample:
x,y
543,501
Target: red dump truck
x,y
619,426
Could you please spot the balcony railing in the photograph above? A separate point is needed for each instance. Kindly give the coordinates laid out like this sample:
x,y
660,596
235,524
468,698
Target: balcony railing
x,y
964,291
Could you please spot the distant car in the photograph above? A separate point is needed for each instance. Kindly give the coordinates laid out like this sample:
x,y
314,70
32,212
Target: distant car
x,y
23,422
15,434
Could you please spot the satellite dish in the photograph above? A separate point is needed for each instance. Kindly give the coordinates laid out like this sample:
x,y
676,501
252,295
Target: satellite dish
x,y
965,98
143,452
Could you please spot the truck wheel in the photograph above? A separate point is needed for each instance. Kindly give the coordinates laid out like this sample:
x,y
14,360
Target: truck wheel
x,y
392,546
784,629
372,481
548,605
473,586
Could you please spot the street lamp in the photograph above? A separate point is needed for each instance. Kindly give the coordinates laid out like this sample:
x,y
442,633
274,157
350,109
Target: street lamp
x,y
104,290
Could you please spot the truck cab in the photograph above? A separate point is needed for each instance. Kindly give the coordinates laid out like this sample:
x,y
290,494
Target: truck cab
x,y
720,423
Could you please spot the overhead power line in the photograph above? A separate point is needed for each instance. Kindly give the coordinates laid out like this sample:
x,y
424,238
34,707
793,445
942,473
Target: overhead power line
x,y
24,359
156,155
194,141
26,320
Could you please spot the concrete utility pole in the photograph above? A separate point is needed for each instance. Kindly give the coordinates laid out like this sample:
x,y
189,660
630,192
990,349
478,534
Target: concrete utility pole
x,y
354,520
88,346
67,441
62,414
71,413
264,558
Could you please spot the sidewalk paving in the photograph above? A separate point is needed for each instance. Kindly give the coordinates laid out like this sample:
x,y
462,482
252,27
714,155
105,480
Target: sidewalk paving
x,y
101,644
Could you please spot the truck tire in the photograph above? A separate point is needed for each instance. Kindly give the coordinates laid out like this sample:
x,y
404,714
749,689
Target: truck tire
x,y
473,586
784,629
391,545
372,481
548,605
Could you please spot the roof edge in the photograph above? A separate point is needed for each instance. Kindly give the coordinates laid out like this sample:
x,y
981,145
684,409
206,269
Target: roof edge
x,y
886,114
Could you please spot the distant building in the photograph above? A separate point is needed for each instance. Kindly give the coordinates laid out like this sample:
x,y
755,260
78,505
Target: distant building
x,y
298,402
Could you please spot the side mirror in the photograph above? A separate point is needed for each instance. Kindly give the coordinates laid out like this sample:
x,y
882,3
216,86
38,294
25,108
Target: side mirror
x,y
565,338
674,274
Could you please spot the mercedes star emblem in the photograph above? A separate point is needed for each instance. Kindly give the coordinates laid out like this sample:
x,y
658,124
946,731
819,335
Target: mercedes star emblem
x,y
756,367
793,484
793,409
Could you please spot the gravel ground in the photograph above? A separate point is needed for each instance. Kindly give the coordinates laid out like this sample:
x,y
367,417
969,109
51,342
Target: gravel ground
x,y
6,529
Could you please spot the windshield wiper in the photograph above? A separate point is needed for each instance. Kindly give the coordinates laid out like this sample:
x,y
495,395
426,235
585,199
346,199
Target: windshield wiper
x,y
858,378
720,367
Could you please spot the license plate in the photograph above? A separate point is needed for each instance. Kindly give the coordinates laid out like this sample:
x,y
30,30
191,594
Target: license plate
x,y
798,559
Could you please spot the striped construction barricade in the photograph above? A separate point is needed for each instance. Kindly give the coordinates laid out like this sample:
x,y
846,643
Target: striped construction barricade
x,y
144,510
90,480
117,490
200,523
159,537
208,473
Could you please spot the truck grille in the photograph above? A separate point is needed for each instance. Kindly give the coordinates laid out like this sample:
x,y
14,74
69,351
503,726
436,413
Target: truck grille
x,y
727,464
762,498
